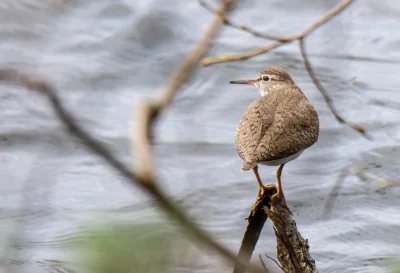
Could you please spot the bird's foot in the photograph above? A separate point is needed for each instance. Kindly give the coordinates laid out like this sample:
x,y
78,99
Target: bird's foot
x,y
267,187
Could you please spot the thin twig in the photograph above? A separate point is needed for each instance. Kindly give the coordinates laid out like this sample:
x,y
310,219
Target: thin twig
x,y
298,36
359,128
334,192
228,22
275,261
278,41
317,23
263,264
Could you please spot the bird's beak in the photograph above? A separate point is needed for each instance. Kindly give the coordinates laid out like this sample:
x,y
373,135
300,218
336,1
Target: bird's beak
x,y
251,82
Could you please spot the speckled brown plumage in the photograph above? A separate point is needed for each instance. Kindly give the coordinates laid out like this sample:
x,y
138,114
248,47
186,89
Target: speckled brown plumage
x,y
278,126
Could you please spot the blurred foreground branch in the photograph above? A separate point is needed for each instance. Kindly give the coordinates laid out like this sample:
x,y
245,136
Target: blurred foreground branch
x,y
143,176
148,112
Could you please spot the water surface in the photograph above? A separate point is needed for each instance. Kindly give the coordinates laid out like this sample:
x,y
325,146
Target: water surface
x,y
104,56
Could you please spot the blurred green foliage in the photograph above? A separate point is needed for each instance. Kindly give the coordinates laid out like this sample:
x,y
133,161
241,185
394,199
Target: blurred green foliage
x,y
393,265
395,268
144,248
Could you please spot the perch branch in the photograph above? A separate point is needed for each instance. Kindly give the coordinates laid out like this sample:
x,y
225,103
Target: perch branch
x,y
255,224
292,248
278,41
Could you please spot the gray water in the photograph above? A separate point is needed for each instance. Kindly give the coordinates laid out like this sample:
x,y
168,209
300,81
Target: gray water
x,y
105,56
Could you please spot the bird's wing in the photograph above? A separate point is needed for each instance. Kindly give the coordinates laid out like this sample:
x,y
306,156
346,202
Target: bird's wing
x,y
276,126
255,122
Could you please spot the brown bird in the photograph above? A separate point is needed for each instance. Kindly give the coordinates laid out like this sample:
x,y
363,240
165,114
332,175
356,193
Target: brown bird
x,y
277,127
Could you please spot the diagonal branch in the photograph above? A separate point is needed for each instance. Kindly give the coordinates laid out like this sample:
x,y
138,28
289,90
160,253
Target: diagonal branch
x,y
278,41
148,112
41,86
359,128
143,177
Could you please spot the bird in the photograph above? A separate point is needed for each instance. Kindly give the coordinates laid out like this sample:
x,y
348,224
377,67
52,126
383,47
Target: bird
x,y
277,127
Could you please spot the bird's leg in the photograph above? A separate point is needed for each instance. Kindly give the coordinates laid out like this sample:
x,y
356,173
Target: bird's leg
x,y
279,186
260,184
261,187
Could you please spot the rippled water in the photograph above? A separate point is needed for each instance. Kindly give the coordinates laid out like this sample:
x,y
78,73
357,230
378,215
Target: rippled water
x,y
103,56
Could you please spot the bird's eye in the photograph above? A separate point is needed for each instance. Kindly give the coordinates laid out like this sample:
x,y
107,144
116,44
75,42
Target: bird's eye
x,y
265,78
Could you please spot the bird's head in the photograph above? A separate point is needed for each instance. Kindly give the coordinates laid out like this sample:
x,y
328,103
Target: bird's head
x,y
269,79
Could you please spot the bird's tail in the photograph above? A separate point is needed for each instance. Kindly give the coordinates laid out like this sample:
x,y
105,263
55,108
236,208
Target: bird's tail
x,y
248,166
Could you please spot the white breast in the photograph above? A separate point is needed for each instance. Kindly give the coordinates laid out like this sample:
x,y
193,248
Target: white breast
x,y
281,161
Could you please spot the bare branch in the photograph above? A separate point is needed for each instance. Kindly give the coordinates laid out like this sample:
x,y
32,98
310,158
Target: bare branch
x,y
147,112
275,261
278,41
359,128
263,264
43,87
334,192
144,177
292,248
228,22
378,182
282,40
39,85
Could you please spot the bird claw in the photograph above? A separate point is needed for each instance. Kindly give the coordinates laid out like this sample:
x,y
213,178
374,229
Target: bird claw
x,y
266,187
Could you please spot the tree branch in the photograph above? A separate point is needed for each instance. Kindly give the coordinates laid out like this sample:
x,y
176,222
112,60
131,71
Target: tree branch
x,y
358,127
228,22
282,40
278,41
292,248
143,176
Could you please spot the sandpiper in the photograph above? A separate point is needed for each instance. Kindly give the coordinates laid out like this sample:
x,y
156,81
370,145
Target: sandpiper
x,y
277,127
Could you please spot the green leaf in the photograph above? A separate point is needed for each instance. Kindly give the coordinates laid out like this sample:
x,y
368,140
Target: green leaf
x,y
141,248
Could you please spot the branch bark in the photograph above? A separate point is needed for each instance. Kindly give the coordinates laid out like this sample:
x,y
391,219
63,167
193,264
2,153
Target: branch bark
x,y
292,248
